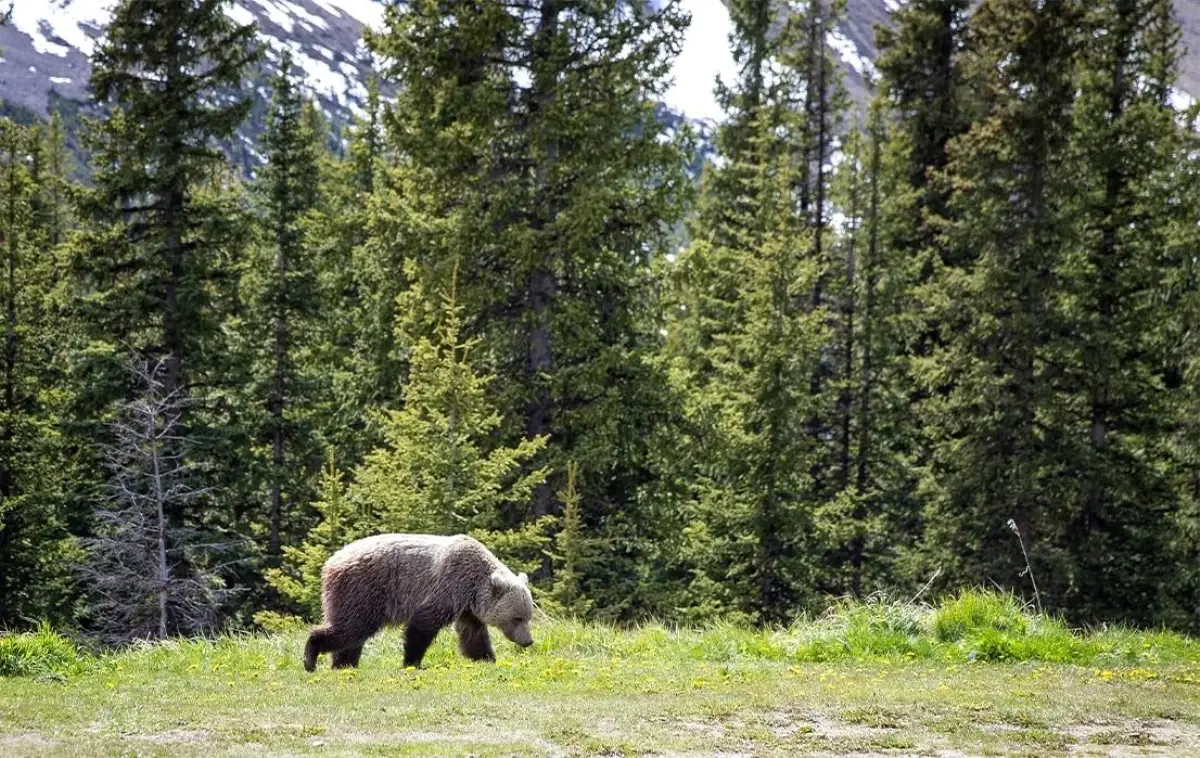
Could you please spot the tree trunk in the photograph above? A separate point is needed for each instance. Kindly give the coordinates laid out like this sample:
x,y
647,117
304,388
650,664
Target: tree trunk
x,y
277,407
543,282
846,394
857,545
164,573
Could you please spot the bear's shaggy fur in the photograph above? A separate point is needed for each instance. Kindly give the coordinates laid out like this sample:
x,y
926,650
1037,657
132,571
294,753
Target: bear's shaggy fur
x,y
425,582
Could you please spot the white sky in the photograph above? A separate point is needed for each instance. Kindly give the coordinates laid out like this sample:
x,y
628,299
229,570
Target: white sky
x,y
705,55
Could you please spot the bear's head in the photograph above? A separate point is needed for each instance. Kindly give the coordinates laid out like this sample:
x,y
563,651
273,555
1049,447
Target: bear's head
x,y
509,607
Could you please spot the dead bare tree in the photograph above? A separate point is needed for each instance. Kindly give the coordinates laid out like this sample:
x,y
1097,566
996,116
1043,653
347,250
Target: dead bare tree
x,y
148,576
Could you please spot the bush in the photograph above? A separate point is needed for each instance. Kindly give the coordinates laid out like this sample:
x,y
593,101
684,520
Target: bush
x,y
972,613
40,653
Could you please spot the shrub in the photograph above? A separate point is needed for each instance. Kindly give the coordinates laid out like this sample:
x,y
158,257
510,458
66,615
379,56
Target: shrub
x,y
38,653
972,613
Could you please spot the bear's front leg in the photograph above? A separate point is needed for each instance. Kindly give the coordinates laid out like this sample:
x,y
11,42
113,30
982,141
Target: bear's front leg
x,y
473,639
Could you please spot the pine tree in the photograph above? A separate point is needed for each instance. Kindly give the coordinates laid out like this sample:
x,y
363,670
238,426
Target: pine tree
x,y
33,536
284,300
997,430
162,233
746,339
870,522
54,210
1120,507
299,580
572,549
166,68
532,154
436,472
920,62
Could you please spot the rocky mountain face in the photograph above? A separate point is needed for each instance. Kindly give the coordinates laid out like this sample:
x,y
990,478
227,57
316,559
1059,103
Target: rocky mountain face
x,y
45,45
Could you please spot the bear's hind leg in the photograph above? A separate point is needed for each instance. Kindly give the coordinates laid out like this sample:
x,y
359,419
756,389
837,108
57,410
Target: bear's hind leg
x,y
324,639
473,639
347,657
335,639
419,634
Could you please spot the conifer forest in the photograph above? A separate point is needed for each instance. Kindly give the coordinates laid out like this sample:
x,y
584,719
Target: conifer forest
x,y
945,337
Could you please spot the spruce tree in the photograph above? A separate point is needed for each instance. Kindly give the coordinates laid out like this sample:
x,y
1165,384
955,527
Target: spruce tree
x,y
170,72
532,155
163,231
1120,506
869,524
998,430
745,339
33,536
920,62
284,301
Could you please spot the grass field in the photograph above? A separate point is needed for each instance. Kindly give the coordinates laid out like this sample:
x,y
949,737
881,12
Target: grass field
x,y
975,676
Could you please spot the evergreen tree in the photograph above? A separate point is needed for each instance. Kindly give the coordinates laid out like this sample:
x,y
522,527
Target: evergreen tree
x,y
920,55
299,580
436,472
746,338
33,537
998,431
1120,504
870,524
532,154
284,301
163,230
166,69
54,211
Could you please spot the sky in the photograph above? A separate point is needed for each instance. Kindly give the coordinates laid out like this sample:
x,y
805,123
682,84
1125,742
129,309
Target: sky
x,y
705,55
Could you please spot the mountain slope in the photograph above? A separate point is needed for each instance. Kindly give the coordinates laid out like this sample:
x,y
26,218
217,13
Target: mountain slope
x,y
46,44
44,49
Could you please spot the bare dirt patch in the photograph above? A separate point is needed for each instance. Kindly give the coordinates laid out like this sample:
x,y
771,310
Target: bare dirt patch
x,y
1141,737
22,740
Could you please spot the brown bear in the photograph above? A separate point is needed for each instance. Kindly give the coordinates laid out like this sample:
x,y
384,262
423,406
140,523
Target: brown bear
x,y
425,582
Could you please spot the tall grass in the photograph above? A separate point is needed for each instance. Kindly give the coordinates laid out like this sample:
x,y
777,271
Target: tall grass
x,y
972,626
43,652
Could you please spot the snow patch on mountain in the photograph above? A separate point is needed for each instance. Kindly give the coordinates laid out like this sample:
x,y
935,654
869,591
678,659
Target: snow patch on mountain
x,y
849,53
57,26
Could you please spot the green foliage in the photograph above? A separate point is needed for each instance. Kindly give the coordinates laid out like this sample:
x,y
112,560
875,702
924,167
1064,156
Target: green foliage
x,y
39,653
435,472
808,383
533,161
35,549
300,581
747,328
572,549
277,328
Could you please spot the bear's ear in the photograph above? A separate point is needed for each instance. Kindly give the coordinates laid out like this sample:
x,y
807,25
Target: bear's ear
x,y
499,585
523,579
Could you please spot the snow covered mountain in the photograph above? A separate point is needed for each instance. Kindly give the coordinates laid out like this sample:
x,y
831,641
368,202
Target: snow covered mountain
x,y
44,51
46,44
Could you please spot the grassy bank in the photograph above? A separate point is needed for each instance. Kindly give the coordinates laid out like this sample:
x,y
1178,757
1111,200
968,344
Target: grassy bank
x,y
974,676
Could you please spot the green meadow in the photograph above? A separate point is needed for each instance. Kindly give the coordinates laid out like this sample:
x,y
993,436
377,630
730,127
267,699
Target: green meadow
x,y
975,675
